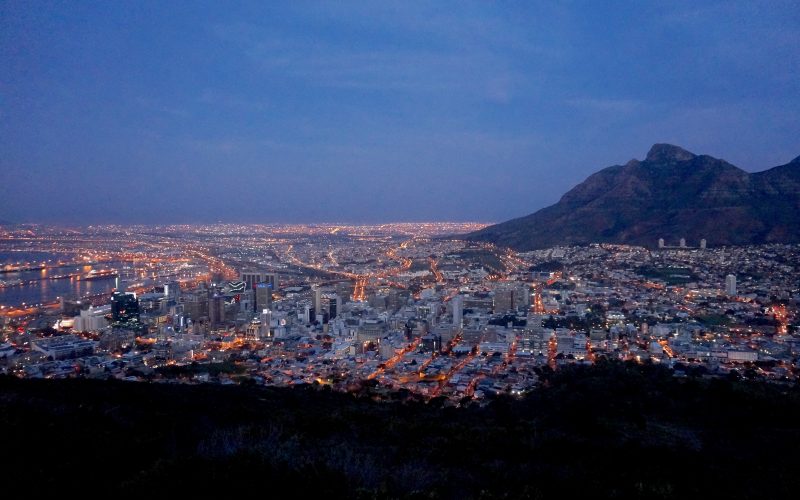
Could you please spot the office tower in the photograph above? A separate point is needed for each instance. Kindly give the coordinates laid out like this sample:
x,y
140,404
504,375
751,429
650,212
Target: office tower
x,y
394,300
252,278
522,297
503,300
344,290
458,310
195,304
703,244
308,313
683,243
266,323
331,303
316,291
216,309
172,290
253,331
730,284
263,296
661,243
124,307
378,301
247,300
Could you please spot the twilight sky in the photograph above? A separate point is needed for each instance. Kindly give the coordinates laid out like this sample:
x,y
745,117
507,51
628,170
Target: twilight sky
x,y
161,112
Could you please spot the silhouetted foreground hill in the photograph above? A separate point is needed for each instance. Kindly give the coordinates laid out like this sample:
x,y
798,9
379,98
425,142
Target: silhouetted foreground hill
x,y
672,194
611,431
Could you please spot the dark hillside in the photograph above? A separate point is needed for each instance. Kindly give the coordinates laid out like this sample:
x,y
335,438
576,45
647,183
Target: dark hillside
x,y
611,431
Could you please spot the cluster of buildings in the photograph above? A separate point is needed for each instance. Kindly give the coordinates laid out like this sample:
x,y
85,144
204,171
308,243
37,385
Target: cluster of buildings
x,y
433,317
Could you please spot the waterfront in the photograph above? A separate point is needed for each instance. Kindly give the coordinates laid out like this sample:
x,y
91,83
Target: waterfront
x,y
38,287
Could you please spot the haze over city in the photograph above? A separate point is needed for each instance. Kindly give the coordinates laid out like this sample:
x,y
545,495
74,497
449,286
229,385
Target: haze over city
x,y
131,112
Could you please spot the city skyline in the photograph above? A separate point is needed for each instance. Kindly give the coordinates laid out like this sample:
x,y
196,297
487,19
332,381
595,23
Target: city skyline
x,y
135,112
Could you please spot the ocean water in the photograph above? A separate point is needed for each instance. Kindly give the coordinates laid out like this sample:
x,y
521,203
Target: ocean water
x,y
38,289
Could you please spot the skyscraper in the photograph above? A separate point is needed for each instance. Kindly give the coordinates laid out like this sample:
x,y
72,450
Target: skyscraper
x,y
196,304
458,310
124,307
266,322
252,278
172,289
730,284
263,296
216,309
331,304
317,298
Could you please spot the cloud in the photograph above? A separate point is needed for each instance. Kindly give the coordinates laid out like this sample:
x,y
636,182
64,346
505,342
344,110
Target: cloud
x,y
605,104
414,52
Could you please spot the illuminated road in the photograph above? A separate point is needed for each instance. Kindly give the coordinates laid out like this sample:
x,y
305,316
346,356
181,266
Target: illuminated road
x,y
435,270
452,371
395,359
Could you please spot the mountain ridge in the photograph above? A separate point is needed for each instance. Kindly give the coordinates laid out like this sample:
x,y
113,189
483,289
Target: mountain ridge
x,y
671,194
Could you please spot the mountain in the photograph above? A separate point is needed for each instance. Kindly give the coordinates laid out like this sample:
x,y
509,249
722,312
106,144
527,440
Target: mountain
x,y
672,194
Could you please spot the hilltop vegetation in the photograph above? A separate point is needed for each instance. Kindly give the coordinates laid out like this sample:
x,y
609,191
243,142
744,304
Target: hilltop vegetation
x,y
615,430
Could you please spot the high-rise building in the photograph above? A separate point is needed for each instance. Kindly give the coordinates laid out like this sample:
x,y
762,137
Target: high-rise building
x,y
172,290
124,307
661,243
266,322
703,244
330,302
195,304
397,299
683,243
253,278
344,289
247,301
522,297
503,300
458,310
253,331
308,313
730,284
316,292
263,296
378,301
91,319
216,309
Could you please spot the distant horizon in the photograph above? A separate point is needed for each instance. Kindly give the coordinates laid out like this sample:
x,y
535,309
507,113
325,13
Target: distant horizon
x,y
240,223
365,222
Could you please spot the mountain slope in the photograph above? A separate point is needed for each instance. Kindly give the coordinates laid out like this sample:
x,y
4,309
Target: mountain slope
x,y
672,194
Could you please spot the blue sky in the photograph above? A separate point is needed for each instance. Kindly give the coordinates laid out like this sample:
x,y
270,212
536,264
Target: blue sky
x,y
373,111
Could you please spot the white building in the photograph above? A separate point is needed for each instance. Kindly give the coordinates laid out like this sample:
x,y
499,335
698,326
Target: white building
x,y
64,346
91,319
730,284
458,311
